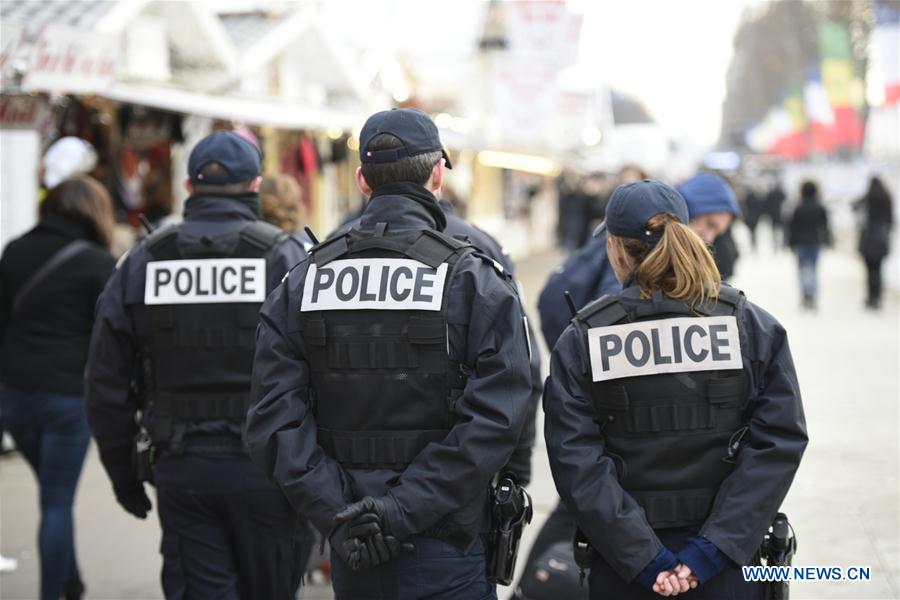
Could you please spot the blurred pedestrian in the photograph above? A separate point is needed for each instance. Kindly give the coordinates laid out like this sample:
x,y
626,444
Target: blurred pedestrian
x,y
874,238
713,208
673,462
806,234
774,207
168,385
754,204
281,201
49,282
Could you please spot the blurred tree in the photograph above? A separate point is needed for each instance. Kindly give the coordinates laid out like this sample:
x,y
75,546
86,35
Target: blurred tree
x,y
775,46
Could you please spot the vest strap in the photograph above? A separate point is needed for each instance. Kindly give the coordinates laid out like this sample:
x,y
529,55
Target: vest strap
x,y
376,449
329,250
262,235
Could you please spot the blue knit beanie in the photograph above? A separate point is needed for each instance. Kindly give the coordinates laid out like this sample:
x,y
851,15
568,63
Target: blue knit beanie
x,y
707,193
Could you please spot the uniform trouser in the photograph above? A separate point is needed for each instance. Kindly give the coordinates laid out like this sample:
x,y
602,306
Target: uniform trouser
x,y
605,584
436,571
227,532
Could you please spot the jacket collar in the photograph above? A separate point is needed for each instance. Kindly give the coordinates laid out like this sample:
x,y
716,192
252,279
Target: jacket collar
x,y
68,227
220,208
403,206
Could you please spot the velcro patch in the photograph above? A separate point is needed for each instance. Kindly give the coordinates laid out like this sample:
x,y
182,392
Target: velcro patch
x,y
205,281
374,283
664,346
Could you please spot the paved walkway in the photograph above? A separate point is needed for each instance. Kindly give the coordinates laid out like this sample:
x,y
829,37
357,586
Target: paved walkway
x,y
844,502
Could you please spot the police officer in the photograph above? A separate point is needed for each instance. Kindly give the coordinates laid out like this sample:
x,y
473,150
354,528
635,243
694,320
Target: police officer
x,y
587,275
520,462
673,421
391,381
168,384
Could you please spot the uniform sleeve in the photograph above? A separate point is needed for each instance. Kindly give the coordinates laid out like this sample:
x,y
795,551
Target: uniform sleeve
x,y
453,473
585,476
281,429
109,395
520,461
288,255
751,495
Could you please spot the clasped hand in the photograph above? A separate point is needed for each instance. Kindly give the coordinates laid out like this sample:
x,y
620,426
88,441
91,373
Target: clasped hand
x,y
675,581
362,538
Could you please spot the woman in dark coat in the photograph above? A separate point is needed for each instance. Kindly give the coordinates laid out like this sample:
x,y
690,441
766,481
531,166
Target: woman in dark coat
x,y
807,233
874,239
49,282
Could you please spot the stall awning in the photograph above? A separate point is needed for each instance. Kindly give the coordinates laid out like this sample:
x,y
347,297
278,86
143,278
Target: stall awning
x,y
252,111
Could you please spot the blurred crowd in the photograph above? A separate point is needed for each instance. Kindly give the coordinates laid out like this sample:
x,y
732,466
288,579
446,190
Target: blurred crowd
x,y
798,220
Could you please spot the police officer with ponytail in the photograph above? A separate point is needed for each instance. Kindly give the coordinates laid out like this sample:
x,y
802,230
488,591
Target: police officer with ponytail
x,y
674,424
168,385
392,381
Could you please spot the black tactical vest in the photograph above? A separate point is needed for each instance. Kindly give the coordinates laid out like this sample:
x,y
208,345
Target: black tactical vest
x,y
672,436
383,384
197,358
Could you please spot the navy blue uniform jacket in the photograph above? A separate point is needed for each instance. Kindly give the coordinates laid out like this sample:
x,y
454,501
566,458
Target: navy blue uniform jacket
x,y
520,461
586,275
443,492
748,498
111,402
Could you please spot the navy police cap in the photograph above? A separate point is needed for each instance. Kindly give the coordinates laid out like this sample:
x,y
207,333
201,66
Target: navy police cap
x,y
633,204
414,128
239,158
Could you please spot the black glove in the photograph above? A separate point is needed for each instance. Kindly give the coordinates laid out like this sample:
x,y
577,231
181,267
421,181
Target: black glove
x,y
369,535
134,500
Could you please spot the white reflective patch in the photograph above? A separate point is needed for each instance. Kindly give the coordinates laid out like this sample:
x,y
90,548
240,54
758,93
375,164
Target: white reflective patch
x,y
205,281
374,283
664,346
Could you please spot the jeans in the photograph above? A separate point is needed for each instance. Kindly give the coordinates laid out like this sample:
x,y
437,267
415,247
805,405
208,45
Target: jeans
x,y
435,570
51,432
807,261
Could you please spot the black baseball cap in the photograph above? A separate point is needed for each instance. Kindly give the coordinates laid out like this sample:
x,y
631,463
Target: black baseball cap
x,y
414,128
238,157
633,204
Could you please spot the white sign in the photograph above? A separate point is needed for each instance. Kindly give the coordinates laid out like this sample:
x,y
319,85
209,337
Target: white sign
x,y
664,346
374,283
66,59
205,281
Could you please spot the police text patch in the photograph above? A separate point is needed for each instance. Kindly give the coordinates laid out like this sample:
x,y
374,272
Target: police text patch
x,y
664,346
374,283
205,281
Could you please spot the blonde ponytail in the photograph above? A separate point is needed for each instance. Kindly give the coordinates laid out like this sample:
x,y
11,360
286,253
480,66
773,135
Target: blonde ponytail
x,y
679,265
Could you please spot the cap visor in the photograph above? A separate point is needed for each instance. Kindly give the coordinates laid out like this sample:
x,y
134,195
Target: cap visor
x,y
599,229
446,158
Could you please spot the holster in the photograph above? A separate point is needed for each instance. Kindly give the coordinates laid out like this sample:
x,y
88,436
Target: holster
x,y
511,511
583,552
777,550
143,455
